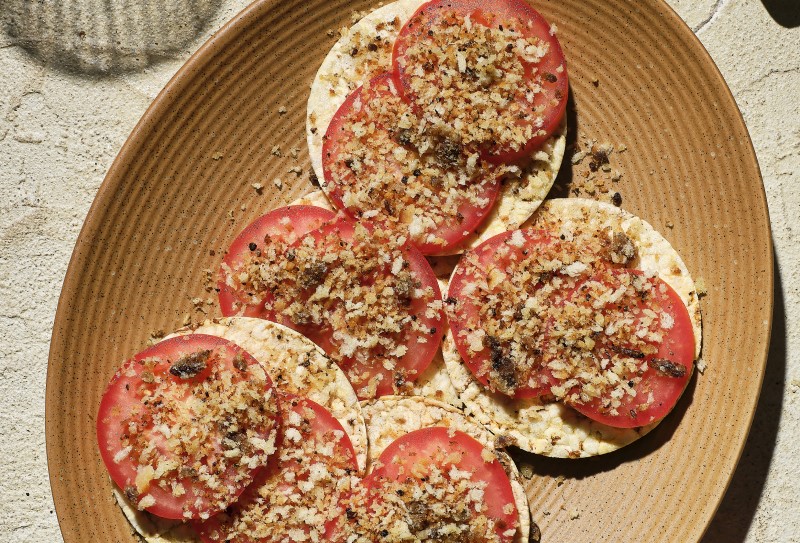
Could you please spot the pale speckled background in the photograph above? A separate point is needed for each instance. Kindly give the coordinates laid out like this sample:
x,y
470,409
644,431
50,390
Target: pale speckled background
x,y
71,93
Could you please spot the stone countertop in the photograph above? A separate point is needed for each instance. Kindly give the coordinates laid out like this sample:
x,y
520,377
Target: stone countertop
x,y
61,128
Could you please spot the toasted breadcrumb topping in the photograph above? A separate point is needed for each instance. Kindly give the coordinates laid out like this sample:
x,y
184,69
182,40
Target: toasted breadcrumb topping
x,y
608,340
301,493
362,289
476,82
513,292
204,437
594,174
390,167
371,52
434,501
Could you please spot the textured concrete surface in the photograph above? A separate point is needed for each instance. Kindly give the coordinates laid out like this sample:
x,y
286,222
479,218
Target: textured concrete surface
x,y
70,93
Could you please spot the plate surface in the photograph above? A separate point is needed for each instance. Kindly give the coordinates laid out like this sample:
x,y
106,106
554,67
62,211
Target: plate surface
x,y
180,190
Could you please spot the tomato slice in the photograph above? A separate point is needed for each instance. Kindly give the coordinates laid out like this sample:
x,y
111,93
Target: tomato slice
x,y
533,315
431,484
173,432
494,306
379,165
363,293
256,242
629,349
302,491
490,72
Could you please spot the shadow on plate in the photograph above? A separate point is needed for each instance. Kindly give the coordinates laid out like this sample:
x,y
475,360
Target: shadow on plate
x,y
563,183
784,12
738,507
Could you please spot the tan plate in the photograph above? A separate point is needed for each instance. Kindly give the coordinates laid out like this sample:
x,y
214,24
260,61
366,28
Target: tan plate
x,y
165,204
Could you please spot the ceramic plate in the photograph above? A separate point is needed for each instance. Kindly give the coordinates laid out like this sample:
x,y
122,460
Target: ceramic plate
x,y
180,190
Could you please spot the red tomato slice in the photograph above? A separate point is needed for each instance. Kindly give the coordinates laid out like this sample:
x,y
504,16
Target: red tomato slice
x,y
377,165
169,434
507,107
480,279
302,491
362,293
634,371
430,479
532,315
417,321
283,225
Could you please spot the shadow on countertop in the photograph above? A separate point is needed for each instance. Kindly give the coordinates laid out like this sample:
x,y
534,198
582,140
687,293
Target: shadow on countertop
x,y
784,12
738,508
100,38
